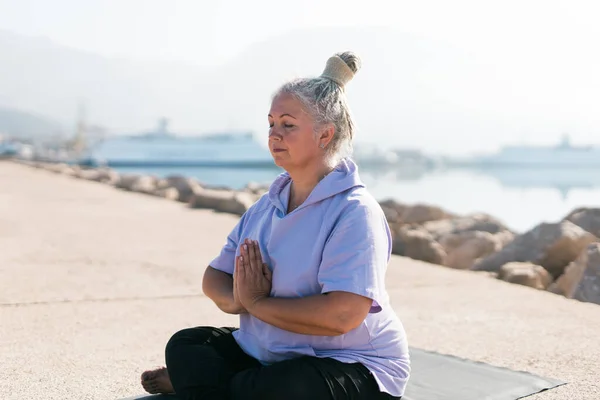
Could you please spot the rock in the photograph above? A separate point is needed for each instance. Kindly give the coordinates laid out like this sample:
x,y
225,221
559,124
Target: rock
x,y
392,210
464,249
70,171
63,169
107,175
551,245
581,279
417,244
228,201
56,168
89,175
524,273
103,175
144,184
475,222
169,193
186,187
586,218
126,181
421,213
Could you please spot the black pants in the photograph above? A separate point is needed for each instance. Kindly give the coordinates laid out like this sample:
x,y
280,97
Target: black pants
x,y
207,363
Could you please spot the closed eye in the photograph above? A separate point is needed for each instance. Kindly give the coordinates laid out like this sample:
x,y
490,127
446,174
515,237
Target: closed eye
x,y
287,126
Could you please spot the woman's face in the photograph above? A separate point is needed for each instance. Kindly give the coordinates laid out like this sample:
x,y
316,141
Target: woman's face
x,y
292,140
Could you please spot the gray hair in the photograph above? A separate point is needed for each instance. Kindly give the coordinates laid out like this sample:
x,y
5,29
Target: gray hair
x,y
325,100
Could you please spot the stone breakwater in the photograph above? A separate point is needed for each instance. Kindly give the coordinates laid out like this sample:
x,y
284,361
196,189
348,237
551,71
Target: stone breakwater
x,y
560,257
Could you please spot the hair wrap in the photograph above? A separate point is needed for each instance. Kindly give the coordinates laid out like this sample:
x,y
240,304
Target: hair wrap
x,y
338,71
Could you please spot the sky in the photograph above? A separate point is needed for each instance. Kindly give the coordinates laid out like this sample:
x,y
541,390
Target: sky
x,y
548,47
209,32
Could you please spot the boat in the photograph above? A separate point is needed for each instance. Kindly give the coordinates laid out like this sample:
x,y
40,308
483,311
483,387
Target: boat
x,y
161,148
562,155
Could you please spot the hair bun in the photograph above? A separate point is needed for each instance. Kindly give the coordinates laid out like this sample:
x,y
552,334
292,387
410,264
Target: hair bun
x,y
341,68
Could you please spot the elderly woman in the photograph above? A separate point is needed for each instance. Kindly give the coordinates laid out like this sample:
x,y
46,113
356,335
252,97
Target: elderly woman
x,y
304,268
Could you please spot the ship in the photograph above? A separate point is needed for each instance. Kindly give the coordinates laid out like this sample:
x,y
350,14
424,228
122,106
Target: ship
x,y
562,155
161,148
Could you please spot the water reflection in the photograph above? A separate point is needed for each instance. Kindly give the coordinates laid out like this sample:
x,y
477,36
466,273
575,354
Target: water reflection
x,y
562,179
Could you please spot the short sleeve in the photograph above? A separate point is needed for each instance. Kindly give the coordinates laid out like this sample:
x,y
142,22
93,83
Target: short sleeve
x,y
225,261
356,255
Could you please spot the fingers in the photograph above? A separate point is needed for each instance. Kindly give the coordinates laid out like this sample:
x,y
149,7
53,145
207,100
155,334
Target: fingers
x,y
251,252
257,253
250,249
238,267
236,272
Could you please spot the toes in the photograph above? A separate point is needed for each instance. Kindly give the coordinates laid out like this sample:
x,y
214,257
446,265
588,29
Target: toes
x,y
148,375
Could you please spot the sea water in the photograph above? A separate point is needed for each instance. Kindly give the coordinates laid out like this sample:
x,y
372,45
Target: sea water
x,y
521,198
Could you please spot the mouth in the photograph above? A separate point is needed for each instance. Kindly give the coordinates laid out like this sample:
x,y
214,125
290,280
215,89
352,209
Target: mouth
x,y
278,150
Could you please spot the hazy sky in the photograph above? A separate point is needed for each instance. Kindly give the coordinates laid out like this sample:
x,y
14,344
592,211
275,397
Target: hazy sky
x,y
548,47
207,32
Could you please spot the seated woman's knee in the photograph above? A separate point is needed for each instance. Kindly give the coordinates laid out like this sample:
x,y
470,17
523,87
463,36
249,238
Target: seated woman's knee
x,y
189,336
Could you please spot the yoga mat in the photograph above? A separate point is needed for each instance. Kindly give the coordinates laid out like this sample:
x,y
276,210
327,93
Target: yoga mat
x,y
437,376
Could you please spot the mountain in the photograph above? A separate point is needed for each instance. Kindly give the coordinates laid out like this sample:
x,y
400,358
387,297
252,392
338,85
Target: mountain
x,y
411,91
19,124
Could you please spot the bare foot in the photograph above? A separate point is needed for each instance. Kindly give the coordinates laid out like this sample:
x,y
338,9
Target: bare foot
x,y
157,381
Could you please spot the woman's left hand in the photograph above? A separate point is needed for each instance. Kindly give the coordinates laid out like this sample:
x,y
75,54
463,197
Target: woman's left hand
x,y
252,277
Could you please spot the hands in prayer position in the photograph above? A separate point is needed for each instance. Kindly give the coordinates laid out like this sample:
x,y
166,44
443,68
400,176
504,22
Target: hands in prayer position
x,y
251,278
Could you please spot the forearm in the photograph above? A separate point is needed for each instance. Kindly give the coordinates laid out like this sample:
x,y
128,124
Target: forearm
x,y
313,315
218,286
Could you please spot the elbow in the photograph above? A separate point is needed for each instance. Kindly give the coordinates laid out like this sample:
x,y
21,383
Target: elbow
x,y
346,322
205,281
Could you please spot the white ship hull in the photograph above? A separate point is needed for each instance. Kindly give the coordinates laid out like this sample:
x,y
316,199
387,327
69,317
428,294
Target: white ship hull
x,y
236,150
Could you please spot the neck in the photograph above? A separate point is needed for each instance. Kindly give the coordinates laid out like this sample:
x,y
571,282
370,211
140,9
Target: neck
x,y
305,180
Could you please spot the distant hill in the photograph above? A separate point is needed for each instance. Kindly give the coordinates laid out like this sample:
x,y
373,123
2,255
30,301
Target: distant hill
x,y
411,91
24,125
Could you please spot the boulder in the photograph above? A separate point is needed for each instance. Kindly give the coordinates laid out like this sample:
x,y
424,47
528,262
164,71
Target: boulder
x,y
227,201
393,210
581,279
475,222
464,249
421,213
126,181
103,175
71,171
144,184
551,245
524,273
89,175
169,193
185,186
63,169
586,218
107,175
418,244
56,168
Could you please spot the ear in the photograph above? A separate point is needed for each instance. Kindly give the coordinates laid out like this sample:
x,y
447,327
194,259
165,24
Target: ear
x,y
326,135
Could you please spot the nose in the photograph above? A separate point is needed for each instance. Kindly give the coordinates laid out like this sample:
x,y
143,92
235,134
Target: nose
x,y
274,135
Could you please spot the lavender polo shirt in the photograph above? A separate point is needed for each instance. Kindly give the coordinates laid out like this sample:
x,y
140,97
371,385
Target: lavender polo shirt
x,y
337,240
